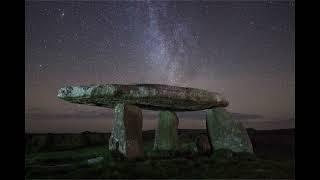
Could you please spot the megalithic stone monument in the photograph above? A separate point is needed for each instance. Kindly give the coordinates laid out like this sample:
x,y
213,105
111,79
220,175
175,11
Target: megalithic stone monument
x,y
126,99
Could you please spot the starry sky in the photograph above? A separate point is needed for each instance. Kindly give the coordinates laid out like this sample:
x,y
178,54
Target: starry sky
x,y
244,50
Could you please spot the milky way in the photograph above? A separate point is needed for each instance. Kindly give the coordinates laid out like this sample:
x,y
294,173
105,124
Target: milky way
x,y
244,50
168,44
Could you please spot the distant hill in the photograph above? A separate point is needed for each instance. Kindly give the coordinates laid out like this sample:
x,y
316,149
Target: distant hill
x,y
279,143
242,116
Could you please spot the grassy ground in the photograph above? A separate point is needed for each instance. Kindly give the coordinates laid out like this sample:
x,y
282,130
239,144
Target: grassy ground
x,y
186,163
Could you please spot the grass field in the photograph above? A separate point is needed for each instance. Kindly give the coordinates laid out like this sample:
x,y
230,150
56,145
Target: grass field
x,y
185,163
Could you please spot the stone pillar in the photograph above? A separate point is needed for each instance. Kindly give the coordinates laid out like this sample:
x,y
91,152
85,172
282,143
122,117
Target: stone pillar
x,y
226,133
126,136
166,137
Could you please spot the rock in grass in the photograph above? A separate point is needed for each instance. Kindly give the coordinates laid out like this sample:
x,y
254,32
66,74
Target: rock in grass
x,y
166,137
226,133
95,160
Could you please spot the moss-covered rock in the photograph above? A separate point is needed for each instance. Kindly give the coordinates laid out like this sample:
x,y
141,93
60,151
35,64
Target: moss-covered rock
x,y
126,134
166,137
226,133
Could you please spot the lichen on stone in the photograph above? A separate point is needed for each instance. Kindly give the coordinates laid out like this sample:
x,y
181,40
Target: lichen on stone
x,y
142,92
166,133
118,138
146,96
126,136
226,133
104,90
75,92
80,91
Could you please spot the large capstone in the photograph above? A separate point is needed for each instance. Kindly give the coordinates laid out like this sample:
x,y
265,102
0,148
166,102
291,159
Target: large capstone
x,y
166,137
126,136
146,96
226,133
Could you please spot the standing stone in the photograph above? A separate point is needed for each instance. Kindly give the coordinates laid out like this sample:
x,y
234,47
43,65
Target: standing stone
x,y
166,137
203,144
126,136
225,133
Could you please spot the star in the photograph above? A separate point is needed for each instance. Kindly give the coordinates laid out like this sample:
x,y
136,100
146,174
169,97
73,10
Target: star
x,y
62,13
292,4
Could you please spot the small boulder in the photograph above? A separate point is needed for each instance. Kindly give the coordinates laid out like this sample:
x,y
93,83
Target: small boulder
x,y
95,160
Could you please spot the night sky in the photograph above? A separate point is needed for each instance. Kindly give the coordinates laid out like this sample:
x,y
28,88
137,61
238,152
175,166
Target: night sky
x,y
244,50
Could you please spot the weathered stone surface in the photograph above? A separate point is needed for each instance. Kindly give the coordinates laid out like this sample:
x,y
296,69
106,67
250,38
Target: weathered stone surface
x,y
95,160
203,144
146,96
226,133
166,137
126,136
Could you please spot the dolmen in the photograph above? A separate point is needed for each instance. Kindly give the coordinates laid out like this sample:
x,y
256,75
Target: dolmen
x,y
127,100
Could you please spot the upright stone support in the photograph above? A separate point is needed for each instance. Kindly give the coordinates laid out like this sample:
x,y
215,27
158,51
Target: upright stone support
x,y
166,137
126,136
226,133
